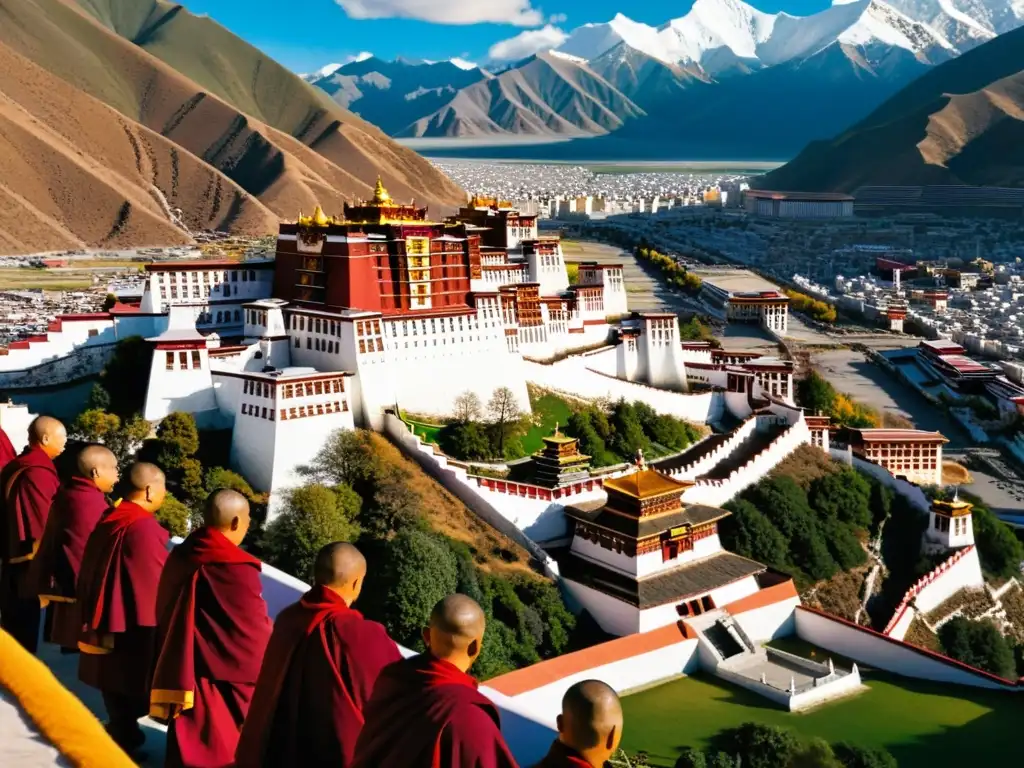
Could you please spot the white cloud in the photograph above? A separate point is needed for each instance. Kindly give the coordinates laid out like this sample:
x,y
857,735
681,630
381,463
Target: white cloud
x,y
521,13
528,43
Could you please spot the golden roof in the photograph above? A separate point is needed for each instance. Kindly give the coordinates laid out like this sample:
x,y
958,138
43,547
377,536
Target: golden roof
x,y
646,484
954,508
380,195
318,219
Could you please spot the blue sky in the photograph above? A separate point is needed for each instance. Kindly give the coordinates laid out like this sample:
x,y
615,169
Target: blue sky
x,y
306,34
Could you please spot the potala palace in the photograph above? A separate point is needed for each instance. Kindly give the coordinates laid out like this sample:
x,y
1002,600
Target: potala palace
x,y
381,311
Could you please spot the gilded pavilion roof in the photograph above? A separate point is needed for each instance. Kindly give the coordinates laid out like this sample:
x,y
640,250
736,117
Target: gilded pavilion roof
x,y
646,484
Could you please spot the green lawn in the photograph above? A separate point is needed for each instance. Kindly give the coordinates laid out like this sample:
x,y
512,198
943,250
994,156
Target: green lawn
x,y
922,724
551,409
428,433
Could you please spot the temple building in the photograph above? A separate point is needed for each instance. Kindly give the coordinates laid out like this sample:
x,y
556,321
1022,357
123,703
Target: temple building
x,y
950,525
908,453
560,462
642,559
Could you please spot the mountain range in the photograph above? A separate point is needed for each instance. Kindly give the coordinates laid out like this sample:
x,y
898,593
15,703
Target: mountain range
x,y
690,86
960,123
114,113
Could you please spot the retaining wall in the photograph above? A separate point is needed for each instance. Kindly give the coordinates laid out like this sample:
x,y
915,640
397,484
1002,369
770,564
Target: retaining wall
x,y
961,570
877,650
710,461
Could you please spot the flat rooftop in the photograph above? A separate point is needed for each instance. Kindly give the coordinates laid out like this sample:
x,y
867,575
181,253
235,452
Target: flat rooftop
x,y
735,280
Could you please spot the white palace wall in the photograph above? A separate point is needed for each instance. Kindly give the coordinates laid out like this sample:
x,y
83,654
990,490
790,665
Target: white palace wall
x,y
961,571
868,647
705,464
646,564
14,420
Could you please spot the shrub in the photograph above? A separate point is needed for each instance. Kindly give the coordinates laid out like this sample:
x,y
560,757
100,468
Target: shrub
x,y
314,516
979,644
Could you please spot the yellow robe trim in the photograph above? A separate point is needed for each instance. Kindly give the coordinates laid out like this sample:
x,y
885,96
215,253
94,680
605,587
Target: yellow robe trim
x,y
165,704
60,717
106,646
25,558
45,600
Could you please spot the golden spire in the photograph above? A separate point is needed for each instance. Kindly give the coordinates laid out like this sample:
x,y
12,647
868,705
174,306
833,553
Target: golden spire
x,y
319,218
380,195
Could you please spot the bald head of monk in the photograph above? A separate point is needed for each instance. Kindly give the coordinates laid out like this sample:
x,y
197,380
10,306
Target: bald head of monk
x,y
47,433
591,721
341,568
228,512
147,486
98,464
456,631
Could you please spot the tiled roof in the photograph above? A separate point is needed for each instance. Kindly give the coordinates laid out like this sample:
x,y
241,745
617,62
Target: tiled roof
x,y
645,484
671,586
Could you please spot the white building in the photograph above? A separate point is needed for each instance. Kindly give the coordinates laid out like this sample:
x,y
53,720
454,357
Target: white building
x,y
950,526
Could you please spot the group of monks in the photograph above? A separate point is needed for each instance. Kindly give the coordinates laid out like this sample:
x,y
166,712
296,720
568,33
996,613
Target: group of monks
x,y
185,637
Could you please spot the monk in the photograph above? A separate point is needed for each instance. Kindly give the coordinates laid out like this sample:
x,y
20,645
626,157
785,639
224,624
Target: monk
x,y
7,452
27,487
589,728
214,630
116,592
76,510
319,670
426,711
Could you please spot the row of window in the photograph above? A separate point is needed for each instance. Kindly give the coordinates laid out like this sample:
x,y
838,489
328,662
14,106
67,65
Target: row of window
x,y
316,325
320,345
959,524
222,316
183,361
256,317
304,411
310,388
257,411
368,328
257,388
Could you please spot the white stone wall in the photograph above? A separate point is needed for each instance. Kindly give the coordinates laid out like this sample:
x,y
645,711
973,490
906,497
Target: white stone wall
x,y
770,622
961,571
574,378
613,616
646,564
14,420
710,461
736,591
867,647
623,675
188,390
660,354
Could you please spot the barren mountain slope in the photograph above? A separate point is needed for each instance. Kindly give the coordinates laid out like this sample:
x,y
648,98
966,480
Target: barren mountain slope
x,y
74,173
326,156
962,122
544,94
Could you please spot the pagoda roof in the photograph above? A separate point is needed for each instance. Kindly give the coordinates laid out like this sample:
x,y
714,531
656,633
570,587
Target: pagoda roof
x,y
954,508
678,584
558,439
597,513
646,484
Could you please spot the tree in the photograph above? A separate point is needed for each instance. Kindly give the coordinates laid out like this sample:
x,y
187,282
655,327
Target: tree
x,y
1000,550
191,482
94,426
466,440
855,756
109,301
816,394
178,438
416,571
843,544
314,516
758,745
750,534
691,758
843,495
218,477
815,754
503,409
978,644
125,441
125,375
628,433
347,457
556,621
394,505
174,516
467,407
99,398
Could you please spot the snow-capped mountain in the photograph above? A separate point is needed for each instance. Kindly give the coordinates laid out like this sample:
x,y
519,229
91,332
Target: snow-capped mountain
x,y
724,35
329,69
965,23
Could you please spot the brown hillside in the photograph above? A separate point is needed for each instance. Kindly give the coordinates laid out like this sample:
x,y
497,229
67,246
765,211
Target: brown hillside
x,y
302,150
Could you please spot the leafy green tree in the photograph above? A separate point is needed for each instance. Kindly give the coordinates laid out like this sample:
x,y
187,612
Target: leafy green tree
x,y
815,754
314,516
843,544
628,433
881,503
99,398
393,506
174,516
467,408
125,441
723,760
109,301
466,440
816,394
843,495
556,621
125,375
750,534
219,477
416,571
178,440
856,756
978,644
347,457
582,426
95,425
1000,550
758,745
191,482
691,758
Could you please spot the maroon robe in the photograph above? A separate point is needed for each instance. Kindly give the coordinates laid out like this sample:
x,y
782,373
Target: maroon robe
x,y
76,510
426,713
561,756
116,590
214,630
320,668
7,452
27,487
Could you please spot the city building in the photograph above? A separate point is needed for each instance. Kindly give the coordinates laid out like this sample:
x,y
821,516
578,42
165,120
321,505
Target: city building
x,y
912,454
798,205
743,297
949,360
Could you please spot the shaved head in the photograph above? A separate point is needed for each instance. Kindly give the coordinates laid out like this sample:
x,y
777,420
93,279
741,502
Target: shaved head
x,y
456,630
49,434
337,564
147,485
228,512
591,720
98,464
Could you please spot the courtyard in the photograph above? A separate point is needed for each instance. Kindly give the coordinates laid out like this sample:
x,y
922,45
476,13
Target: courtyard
x,y
922,724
